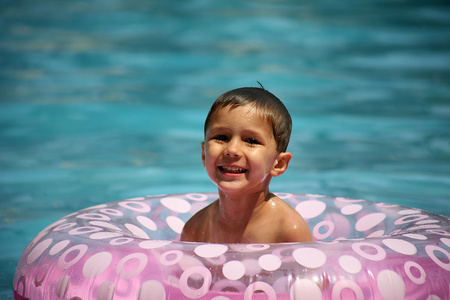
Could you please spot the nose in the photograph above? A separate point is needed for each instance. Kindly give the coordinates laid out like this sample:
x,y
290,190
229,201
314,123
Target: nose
x,y
233,148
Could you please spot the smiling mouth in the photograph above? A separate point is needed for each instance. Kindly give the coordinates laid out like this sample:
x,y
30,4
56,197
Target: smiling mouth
x,y
234,170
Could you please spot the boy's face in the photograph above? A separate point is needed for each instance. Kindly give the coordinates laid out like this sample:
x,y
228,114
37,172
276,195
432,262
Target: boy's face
x,y
239,152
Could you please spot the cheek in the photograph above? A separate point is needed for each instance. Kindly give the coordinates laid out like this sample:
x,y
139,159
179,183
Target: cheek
x,y
212,151
209,157
259,169
264,164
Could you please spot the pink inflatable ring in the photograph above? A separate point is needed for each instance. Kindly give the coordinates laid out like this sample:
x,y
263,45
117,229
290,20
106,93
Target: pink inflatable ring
x,y
131,250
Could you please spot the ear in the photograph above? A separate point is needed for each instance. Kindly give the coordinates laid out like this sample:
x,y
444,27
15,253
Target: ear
x,y
203,153
281,163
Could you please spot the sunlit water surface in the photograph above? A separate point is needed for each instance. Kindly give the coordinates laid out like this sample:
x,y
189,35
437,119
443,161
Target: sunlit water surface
x,y
104,100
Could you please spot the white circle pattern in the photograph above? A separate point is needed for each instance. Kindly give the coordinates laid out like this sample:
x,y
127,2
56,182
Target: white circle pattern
x,y
176,204
412,264
305,289
351,209
166,259
195,293
350,264
311,208
401,246
346,284
378,256
260,286
369,221
66,261
233,270
97,264
126,273
310,257
210,250
269,262
391,285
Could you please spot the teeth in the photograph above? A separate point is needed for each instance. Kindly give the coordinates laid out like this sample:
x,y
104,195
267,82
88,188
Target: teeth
x,y
233,169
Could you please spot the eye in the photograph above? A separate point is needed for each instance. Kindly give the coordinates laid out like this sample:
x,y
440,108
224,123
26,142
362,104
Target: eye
x,y
253,141
220,137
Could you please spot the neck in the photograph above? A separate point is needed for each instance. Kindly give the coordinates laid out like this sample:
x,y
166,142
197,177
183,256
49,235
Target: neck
x,y
235,210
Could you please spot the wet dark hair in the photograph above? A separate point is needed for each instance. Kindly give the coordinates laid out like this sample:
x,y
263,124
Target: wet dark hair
x,y
267,106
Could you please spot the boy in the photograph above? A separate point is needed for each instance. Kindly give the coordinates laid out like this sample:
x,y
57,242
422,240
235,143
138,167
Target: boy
x,y
247,132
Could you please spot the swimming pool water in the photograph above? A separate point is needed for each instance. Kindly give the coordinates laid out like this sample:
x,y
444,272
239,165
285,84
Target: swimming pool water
x,y
104,100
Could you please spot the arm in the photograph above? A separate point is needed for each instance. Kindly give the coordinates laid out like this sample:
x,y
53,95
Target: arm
x,y
196,228
187,234
295,229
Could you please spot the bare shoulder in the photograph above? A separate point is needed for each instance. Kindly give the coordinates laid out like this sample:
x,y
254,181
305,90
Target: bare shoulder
x,y
196,224
293,228
284,209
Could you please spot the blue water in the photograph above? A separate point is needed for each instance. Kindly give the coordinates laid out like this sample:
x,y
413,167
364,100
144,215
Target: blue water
x,y
104,100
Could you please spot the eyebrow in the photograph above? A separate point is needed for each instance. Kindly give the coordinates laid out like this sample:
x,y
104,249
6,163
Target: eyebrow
x,y
253,132
250,132
221,128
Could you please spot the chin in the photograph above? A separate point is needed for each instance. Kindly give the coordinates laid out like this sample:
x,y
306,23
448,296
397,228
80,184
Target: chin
x,y
231,188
